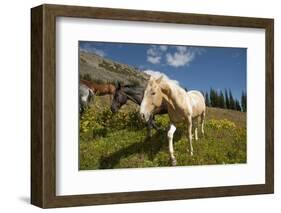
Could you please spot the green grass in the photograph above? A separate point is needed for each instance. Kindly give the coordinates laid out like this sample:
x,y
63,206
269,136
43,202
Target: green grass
x,y
119,140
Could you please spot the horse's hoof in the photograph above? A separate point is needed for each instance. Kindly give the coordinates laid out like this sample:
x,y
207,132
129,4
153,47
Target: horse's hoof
x,y
174,162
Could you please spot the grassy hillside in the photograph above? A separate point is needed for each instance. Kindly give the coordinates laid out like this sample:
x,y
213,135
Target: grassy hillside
x,y
104,70
119,140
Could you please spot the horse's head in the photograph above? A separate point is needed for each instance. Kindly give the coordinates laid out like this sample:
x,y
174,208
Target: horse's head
x,y
119,98
152,98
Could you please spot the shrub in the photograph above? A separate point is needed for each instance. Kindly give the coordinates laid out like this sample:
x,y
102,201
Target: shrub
x,y
101,121
221,124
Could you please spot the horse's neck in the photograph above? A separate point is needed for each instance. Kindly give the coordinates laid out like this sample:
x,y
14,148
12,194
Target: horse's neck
x,y
170,94
134,96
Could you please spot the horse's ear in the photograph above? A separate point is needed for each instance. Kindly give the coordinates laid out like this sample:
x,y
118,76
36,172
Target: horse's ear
x,y
118,86
158,80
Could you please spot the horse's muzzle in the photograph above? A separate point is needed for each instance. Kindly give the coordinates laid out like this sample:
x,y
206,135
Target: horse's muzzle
x,y
142,116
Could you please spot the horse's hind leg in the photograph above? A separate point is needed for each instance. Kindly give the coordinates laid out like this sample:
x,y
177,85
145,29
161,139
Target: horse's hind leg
x,y
171,147
196,129
202,122
189,122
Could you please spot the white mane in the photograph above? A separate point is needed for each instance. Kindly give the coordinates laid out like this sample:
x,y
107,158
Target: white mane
x,y
157,74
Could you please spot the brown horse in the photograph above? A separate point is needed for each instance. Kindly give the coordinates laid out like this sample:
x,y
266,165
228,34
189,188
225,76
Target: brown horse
x,y
99,89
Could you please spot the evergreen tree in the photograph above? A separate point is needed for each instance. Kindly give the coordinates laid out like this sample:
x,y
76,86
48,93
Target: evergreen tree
x,y
226,99
231,101
237,105
216,98
244,101
212,98
221,100
211,101
207,101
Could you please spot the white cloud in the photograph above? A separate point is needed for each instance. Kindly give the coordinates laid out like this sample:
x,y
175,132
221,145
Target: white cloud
x,y
154,53
182,56
181,49
154,59
163,48
89,49
158,74
84,49
99,52
154,73
179,59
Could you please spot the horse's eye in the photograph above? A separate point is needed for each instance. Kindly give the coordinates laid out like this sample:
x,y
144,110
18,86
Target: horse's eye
x,y
153,93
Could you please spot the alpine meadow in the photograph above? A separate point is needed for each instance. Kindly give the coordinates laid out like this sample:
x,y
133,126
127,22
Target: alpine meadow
x,y
144,105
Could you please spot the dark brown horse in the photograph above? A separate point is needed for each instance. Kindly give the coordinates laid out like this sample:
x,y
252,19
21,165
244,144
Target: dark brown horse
x,y
134,94
99,89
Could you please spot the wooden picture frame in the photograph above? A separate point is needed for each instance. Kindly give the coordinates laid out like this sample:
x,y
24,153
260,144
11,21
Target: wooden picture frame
x,y
43,105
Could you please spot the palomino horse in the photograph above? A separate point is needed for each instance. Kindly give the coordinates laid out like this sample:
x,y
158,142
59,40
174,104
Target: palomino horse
x,y
135,94
182,107
99,89
85,96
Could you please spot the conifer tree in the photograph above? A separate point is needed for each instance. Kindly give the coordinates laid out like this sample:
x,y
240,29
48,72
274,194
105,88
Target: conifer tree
x,y
207,100
226,99
221,100
244,101
217,98
212,98
231,101
237,105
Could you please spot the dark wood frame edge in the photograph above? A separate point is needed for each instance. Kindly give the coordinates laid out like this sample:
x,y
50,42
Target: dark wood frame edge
x,y
43,105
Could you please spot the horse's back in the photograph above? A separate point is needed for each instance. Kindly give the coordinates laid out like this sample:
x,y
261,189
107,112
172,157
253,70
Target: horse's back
x,y
197,102
101,89
112,88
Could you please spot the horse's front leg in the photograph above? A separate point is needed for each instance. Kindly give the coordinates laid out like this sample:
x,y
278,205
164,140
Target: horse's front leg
x,y
149,128
153,124
171,147
189,127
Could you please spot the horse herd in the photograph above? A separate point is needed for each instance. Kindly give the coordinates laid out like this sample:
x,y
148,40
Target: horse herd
x,y
161,96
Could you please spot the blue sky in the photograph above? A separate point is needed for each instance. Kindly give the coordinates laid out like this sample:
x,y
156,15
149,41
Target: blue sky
x,y
199,68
